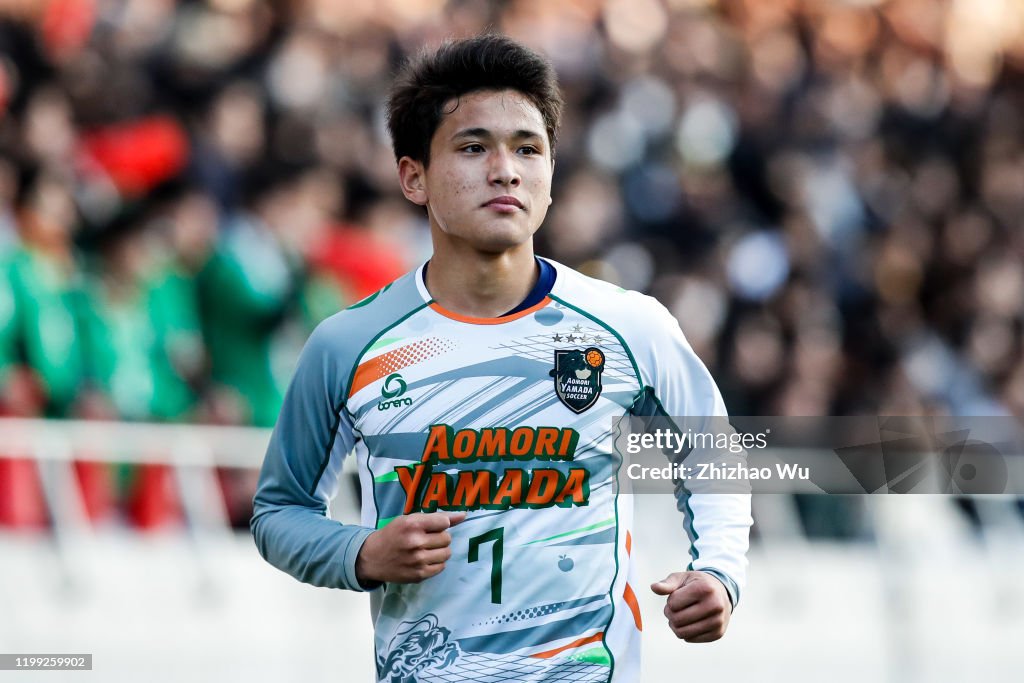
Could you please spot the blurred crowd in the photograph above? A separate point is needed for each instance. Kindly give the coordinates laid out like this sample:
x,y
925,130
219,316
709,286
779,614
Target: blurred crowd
x,y
829,195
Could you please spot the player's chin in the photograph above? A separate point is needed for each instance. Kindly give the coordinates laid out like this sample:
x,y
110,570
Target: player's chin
x,y
496,237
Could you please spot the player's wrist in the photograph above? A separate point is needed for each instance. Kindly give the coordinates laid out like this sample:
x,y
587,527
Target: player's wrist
x,y
366,569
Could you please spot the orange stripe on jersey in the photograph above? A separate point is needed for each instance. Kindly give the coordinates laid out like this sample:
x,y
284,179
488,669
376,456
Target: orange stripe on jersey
x,y
490,321
367,373
576,643
629,543
393,361
630,597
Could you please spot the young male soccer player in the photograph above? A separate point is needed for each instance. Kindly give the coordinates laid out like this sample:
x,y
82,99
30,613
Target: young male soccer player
x,y
477,394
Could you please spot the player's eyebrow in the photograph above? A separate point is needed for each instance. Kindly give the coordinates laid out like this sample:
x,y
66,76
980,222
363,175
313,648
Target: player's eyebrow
x,y
521,134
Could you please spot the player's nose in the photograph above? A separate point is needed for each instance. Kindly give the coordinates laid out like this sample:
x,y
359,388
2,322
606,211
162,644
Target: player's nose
x,y
502,170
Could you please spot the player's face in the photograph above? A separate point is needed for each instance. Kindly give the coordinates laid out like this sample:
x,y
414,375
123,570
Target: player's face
x,y
488,184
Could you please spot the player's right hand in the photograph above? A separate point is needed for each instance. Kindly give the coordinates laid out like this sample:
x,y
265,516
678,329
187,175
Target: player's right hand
x,y
409,549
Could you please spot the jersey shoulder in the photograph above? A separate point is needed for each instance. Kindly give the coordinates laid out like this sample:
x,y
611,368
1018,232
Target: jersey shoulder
x,y
629,312
644,326
343,338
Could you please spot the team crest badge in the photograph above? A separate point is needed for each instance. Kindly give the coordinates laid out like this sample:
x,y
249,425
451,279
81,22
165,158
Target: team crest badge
x,y
578,377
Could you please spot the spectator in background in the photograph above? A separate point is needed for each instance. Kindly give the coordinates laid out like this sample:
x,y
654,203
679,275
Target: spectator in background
x,y
359,259
126,311
254,280
230,141
40,355
185,234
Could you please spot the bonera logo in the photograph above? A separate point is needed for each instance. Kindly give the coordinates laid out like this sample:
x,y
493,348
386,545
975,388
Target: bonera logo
x,y
394,386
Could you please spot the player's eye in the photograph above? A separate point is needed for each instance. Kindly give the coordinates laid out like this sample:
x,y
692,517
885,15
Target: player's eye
x,y
528,150
473,148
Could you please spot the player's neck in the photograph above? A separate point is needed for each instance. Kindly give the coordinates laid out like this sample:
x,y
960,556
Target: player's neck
x,y
481,285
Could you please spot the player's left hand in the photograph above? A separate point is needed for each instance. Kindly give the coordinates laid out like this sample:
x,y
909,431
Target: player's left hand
x,y
698,606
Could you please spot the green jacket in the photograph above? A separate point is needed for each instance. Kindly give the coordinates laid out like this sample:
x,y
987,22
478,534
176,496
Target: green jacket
x,y
139,347
258,305
37,324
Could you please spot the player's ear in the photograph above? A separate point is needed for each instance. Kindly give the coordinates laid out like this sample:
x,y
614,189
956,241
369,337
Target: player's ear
x,y
412,178
550,198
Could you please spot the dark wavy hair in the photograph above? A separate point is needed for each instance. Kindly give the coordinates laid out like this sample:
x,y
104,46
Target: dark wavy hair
x,y
488,62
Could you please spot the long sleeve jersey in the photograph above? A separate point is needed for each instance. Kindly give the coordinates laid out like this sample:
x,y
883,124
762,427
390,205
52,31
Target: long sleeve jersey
x,y
510,419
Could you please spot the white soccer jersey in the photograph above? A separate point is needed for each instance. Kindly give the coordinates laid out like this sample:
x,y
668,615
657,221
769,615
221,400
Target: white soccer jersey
x,y
510,419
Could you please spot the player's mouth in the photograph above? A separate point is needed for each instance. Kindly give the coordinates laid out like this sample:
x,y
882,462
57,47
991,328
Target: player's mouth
x,y
505,204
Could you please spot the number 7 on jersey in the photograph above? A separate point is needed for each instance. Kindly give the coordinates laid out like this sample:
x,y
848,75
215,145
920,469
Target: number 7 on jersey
x,y
496,535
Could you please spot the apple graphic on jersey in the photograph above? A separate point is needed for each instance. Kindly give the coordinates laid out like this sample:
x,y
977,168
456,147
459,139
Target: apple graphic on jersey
x,y
565,563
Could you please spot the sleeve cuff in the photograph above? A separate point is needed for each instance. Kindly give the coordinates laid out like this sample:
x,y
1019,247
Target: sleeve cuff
x,y
351,554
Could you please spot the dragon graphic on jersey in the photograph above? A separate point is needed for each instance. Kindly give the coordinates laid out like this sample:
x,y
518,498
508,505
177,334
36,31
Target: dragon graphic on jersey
x,y
578,377
417,646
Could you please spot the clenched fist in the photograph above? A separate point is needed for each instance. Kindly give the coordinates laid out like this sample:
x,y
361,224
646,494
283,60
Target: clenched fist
x,y
698,606
409,549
